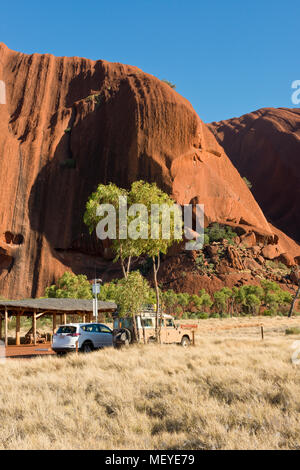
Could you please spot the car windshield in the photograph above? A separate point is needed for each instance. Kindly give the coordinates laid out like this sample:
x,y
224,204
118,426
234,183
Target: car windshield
x,y
147,322
66,329
104,329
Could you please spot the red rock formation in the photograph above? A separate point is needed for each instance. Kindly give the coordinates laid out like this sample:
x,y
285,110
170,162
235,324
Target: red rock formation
x,y
68,124
265,147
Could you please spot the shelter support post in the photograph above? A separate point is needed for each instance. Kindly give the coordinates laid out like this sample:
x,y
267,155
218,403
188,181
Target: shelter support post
x,y
6,328
34,327
53,322
18,329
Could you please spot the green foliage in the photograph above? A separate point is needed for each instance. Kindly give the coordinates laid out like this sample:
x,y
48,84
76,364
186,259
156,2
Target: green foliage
x,y
70,286
169,300
68,130
294,330
140,193
95,98
221,299
130,294
202,265
149,194
143,242
184,305
133,292
202,316
275,298
206,239
172,85
123,248
245,300
217,233
104,194
278,266
68,164
247,182
252,302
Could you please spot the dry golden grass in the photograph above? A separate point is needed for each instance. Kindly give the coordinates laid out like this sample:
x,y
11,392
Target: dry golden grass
x,y
231,391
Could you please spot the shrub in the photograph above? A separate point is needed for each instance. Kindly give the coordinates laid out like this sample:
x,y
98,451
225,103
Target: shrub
x,y
217,232
202,265
203,316
70,286
270,312
131,294
172,85
294,330
278,265
214,315
247,182
96,99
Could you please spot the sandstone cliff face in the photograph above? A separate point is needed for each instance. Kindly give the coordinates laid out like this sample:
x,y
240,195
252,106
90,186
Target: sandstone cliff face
x,y
68,124
265,147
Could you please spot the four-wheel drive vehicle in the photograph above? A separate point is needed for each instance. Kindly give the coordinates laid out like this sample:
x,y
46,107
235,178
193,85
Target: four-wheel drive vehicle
x,y
89,336
124,332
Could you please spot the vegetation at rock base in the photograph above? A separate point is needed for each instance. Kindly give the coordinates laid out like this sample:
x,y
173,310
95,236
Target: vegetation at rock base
x,y
133,292
70,286
218,232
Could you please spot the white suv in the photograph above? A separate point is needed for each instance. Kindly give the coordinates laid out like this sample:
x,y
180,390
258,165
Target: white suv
x,y
89,336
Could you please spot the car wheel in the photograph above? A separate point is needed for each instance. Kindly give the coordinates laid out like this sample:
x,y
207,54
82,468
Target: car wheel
x,y
61,354
87,347
185,342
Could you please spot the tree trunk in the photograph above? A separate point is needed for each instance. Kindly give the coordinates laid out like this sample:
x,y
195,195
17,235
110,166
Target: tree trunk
x,y
126,269
135,328
128,266
155,271
294,301
122,262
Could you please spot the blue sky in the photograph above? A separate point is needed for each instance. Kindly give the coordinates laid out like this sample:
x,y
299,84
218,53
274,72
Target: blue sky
x,y
228,57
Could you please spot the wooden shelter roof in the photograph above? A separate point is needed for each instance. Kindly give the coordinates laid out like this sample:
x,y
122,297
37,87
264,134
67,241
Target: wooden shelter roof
x,y
55,305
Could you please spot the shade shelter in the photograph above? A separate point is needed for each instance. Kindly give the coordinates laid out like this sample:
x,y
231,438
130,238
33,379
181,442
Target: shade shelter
x,y
36,308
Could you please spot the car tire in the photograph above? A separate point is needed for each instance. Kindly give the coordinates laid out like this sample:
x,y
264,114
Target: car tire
x,y
185,342
124,337
87,347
